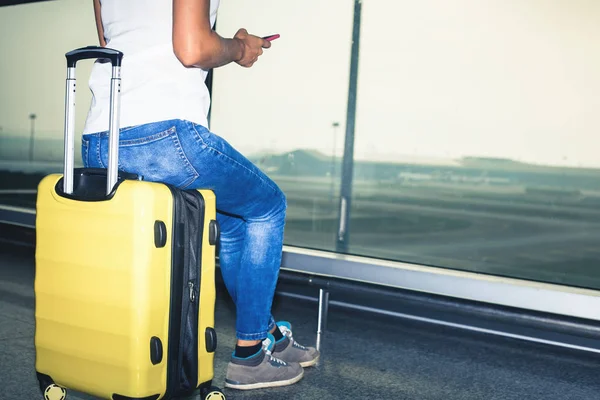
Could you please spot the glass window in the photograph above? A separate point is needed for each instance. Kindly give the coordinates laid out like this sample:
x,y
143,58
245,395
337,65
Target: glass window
x,y
475,134
475,131
34,39
287,112
476,137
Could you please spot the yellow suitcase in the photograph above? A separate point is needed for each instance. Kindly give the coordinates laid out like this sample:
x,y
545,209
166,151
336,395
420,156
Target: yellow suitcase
x,y
124,283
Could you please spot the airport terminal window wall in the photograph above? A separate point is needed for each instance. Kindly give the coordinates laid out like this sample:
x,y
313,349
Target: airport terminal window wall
x,y
474,129
477,124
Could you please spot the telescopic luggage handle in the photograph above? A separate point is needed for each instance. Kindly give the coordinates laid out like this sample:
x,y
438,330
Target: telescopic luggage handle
x,y
73,57
85,53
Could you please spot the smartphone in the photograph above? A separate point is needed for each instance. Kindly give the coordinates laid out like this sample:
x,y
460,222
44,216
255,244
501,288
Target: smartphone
x,y
270,38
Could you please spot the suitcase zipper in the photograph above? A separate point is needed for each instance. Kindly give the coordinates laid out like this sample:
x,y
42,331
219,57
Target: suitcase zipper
x,y
188,227
192,291
177,295
195,285
188,361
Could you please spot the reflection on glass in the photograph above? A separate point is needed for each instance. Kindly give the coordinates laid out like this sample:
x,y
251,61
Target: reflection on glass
x,y
287,112
476,130
32,78
476,138
474,144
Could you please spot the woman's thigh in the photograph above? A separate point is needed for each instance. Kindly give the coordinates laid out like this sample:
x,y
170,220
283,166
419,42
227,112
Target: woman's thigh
x,y
189,156
242,189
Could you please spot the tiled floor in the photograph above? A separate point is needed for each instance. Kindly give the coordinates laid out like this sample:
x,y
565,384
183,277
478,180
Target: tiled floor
x,y
363,356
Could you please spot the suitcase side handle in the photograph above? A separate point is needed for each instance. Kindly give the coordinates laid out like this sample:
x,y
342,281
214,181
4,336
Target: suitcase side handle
x,y
115,56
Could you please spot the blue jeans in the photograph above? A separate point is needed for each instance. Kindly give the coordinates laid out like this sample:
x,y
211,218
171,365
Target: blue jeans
x,y
250,207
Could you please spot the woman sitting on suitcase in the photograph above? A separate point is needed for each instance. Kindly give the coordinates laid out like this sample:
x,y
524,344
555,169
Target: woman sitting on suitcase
x,y
168,46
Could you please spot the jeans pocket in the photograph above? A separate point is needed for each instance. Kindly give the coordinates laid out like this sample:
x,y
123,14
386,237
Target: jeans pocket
x,y
157,157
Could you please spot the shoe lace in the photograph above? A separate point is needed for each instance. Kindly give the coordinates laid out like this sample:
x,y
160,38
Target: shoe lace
x,y
288,333
268,353
298,345
277,360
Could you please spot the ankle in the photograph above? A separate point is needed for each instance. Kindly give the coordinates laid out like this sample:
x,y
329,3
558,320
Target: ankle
x,y
247,343
276,333
247,351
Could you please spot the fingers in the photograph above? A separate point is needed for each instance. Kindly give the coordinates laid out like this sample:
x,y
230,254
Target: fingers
x,y
252,47
249,63
252,62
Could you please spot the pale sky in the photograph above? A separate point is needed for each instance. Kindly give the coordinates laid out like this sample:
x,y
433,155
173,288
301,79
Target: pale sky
x,y
437,78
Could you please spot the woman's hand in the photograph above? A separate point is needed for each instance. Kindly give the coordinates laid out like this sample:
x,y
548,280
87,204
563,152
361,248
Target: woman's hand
x,y
252,47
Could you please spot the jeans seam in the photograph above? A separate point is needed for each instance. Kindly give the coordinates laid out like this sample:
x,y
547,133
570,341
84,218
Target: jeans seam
x,y
252,336
147,139
208,146
85,156
260,335
98,153
128,128
195,174
197,134
121,130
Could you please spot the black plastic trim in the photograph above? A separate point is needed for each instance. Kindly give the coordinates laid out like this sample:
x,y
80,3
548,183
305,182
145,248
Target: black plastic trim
x,y
194,275
181,302
211,340
44,381
160,234
205,388
120,397
89,184
214,232
156,350
176,297
83,53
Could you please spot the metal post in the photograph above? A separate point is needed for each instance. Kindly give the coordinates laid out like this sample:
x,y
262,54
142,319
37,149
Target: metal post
x,y
32,117
335,126
348,161
323,311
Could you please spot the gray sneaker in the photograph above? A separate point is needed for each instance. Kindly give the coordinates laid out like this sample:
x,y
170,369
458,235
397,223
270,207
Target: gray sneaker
x,y
287,349
262,370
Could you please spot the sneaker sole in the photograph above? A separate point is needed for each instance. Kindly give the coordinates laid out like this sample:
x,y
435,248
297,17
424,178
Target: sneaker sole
x,y
310,363
263,385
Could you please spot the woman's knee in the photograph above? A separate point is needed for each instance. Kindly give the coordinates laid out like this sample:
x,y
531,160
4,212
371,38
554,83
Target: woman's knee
x,y
280,204
271,209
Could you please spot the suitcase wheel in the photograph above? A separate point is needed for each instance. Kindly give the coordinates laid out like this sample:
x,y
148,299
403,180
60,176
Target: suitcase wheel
x,y
55,392
214,394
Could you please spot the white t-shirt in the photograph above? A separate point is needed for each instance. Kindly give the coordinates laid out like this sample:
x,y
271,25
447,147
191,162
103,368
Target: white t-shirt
x,y
155,86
